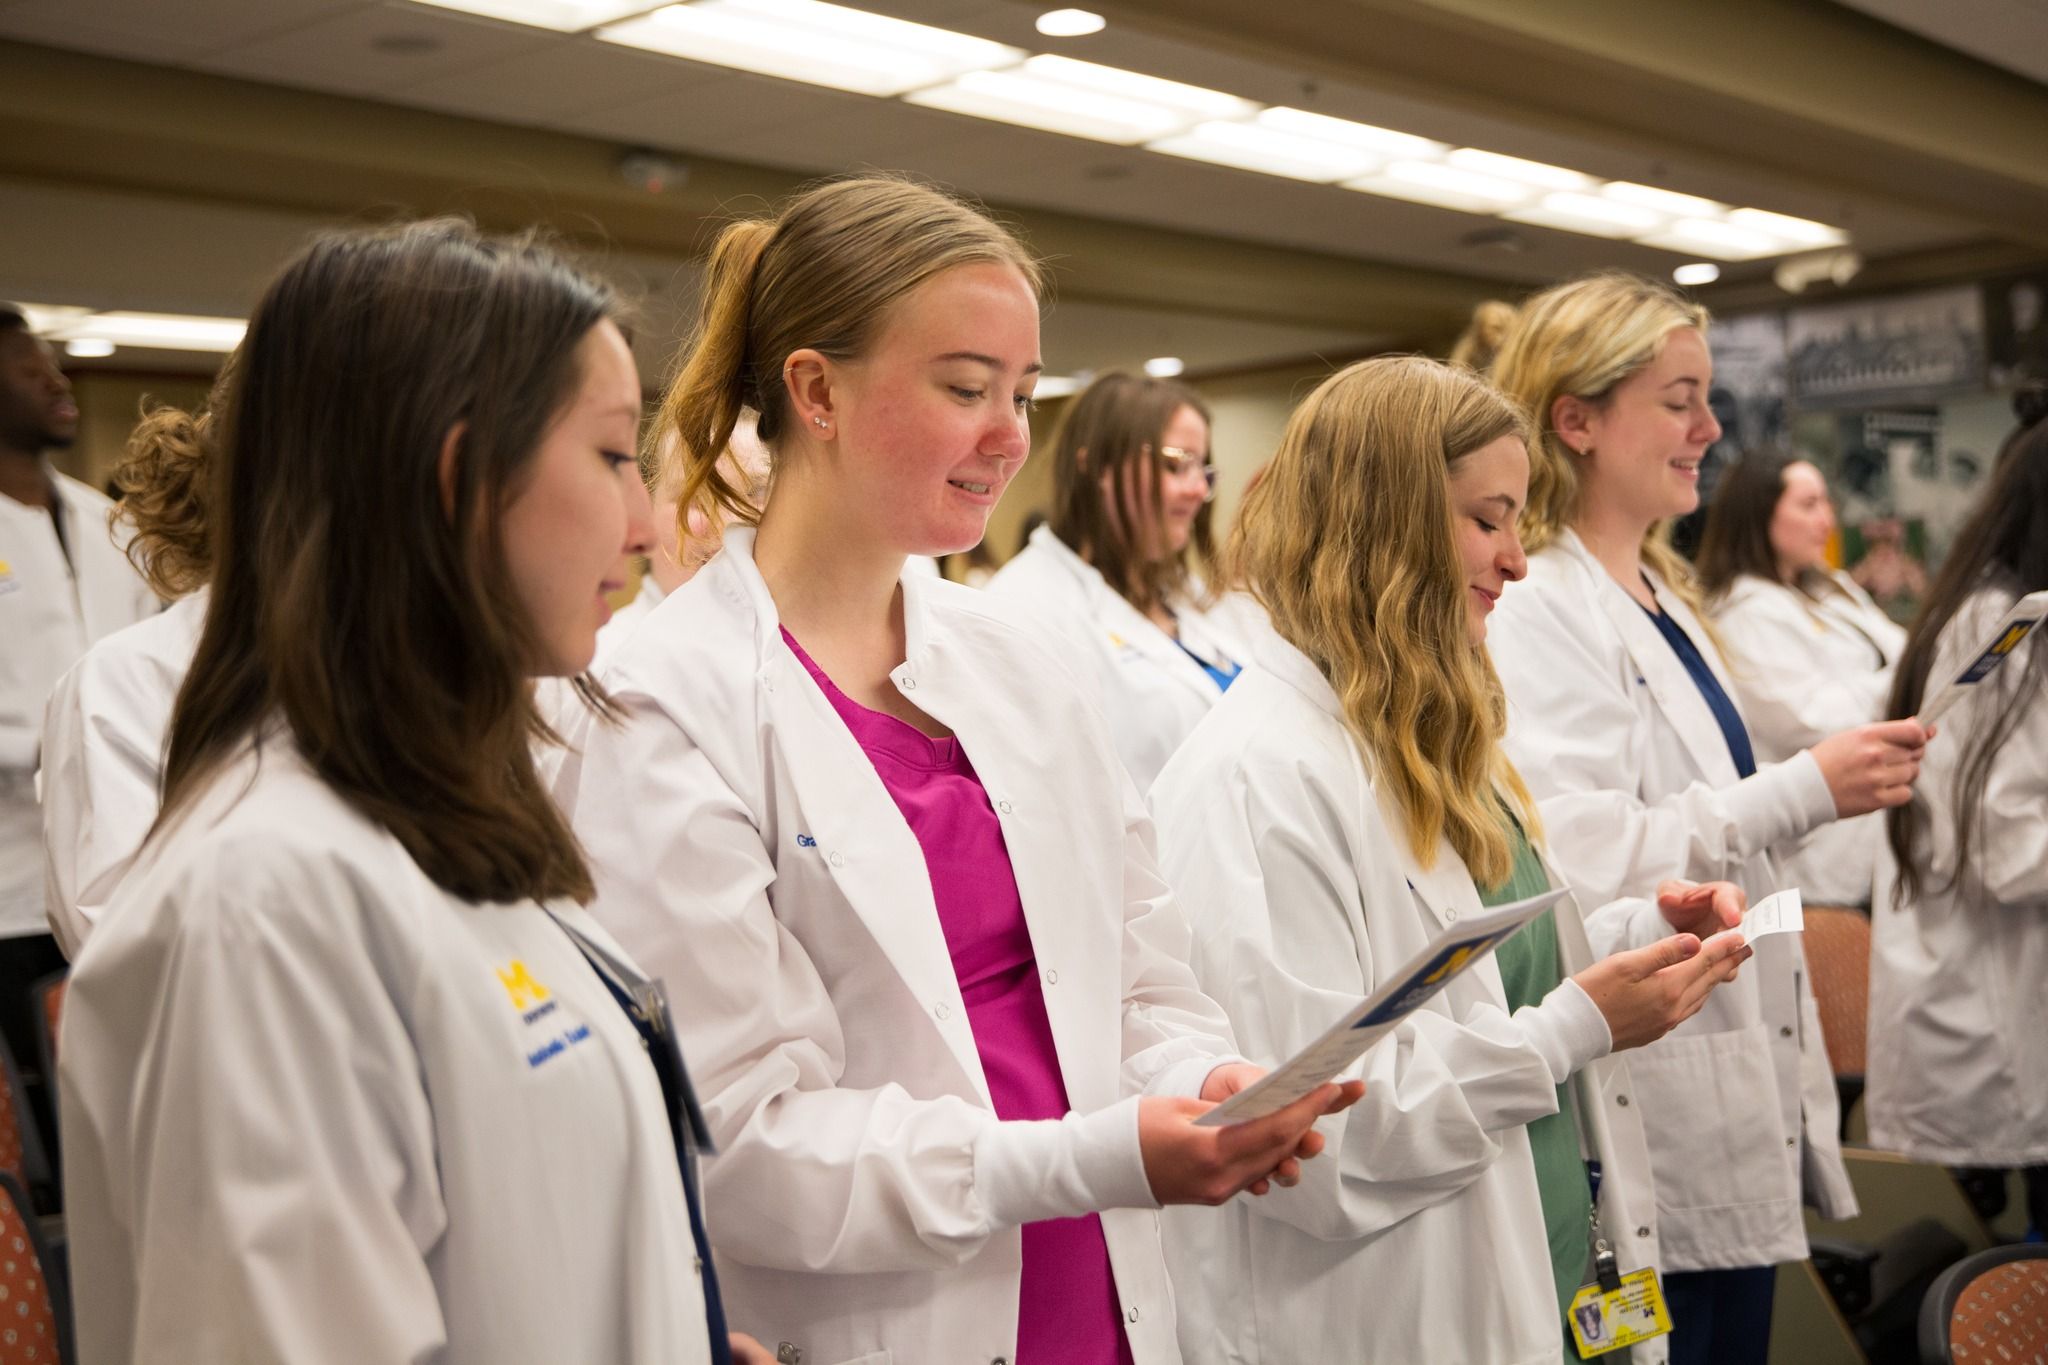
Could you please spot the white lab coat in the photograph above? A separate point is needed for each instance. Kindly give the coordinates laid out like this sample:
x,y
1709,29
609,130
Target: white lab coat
x,y
1419,1235
103,758
1958,1071
865,1199
1804,668
1151,691
313,1111
1635,784
626,620
51,611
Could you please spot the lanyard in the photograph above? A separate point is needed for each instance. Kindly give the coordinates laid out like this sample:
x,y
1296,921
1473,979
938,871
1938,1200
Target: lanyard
x,y
646,1004
645,1001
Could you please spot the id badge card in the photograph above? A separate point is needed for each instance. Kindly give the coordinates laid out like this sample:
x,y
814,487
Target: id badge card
x,y
1604,1319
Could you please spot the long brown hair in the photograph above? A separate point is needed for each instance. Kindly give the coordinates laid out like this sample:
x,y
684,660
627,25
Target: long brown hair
x,y
1582,338
1348,543
2004,544
821,275
1117,424
383,629
1737,539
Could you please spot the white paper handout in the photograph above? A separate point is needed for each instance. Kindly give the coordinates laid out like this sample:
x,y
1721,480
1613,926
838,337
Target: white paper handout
x,y
1404,992
2012,628
1783,913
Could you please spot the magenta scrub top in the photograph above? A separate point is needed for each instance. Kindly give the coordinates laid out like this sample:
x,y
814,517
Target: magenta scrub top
x,y
1067,1307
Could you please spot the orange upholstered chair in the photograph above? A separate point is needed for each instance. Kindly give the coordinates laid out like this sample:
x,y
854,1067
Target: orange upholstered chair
x,y
1989,1309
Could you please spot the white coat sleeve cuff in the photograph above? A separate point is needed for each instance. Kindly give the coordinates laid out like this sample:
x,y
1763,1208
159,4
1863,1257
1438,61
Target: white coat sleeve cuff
x,y
1029,1171
1566,1029
1782,802
1187,1076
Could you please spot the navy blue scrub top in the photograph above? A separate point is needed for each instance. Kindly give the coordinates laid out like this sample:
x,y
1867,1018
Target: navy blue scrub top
x,y
1703,678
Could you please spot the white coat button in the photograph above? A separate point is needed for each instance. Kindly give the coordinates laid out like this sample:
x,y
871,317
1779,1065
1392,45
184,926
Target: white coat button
x,y
1450,915
1791,1142
1005,807
1785,1032
1133,1315
1621,1100
909,684
1052,978
836,858
943,1010
1642,1232
999,1360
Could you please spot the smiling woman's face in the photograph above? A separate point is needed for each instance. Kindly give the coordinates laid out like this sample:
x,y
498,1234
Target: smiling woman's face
x,y
1489,488
1645,442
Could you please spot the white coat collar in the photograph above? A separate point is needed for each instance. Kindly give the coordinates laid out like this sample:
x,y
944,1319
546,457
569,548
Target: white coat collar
x,y
873,857
1130,628
1445,886
1658,667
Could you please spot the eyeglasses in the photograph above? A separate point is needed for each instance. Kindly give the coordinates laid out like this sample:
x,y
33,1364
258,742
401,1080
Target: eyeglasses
x,y
1179,463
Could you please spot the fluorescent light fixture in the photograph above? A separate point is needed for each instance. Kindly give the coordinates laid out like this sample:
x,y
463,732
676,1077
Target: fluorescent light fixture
x,y
1081,99
1429,182
1663,201
1799,231
1069,23
1696,272
89,348
1057,386
162,331
1345,133
1164,366
1589,215
1255,147
1720,240
813,42
1515,168
564,16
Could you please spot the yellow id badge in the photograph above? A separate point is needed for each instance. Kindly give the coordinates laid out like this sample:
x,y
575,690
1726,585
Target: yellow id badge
x,y
1604,1320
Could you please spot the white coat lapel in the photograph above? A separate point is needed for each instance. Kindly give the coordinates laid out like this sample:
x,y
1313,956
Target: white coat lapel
x,y
1127,627
855,828
1660,670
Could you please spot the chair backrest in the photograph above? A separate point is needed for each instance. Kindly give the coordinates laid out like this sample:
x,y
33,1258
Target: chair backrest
x,y
35,1321
1838,955
1988,1309
21,1150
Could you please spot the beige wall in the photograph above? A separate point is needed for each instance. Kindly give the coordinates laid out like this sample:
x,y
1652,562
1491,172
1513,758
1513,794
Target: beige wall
x,y
1250,412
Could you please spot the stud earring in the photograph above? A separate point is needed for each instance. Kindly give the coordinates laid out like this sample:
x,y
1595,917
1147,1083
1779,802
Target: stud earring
x,y
821,423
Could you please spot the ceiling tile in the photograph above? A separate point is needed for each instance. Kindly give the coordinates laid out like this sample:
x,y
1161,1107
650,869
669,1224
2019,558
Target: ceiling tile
x,y
541,84
378,47
154,30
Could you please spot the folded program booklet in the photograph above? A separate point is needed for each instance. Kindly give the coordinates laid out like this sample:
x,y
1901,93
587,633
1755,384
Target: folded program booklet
x,y
1403,993
2003,639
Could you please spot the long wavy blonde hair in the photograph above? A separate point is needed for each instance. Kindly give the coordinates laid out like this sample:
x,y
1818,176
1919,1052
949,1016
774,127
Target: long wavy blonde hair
x,y
1582,338
1347,541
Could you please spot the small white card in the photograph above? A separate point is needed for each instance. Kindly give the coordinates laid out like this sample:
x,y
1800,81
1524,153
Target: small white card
x,y
1780,914
1434,968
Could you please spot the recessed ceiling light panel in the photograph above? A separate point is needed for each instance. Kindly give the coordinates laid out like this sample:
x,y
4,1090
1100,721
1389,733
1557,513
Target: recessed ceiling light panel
x,y
564,16
813,42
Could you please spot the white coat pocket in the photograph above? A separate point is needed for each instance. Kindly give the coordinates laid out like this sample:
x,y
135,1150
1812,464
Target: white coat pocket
x,y
1710,1102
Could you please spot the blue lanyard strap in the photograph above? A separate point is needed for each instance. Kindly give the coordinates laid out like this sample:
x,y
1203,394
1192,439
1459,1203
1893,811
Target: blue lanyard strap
x,y
646,1004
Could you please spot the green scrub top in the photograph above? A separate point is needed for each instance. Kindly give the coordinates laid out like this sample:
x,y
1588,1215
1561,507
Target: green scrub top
x,y
1530,969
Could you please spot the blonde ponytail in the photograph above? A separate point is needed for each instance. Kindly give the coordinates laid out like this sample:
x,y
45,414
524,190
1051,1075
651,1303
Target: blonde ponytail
x,y
821,275
703,405
163,476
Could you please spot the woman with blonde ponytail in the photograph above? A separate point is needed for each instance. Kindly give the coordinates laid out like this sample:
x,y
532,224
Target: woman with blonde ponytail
x,y
1620,715
103,729
877,840
1346,801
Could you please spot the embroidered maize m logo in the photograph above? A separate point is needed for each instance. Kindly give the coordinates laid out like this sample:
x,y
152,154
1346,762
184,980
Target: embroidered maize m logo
x,y
520,985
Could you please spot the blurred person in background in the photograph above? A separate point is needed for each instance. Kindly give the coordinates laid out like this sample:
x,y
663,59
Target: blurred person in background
x,y
1114,574
64,583
1808,651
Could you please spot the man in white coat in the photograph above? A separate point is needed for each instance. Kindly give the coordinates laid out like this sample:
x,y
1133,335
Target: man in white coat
x,y
64,583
